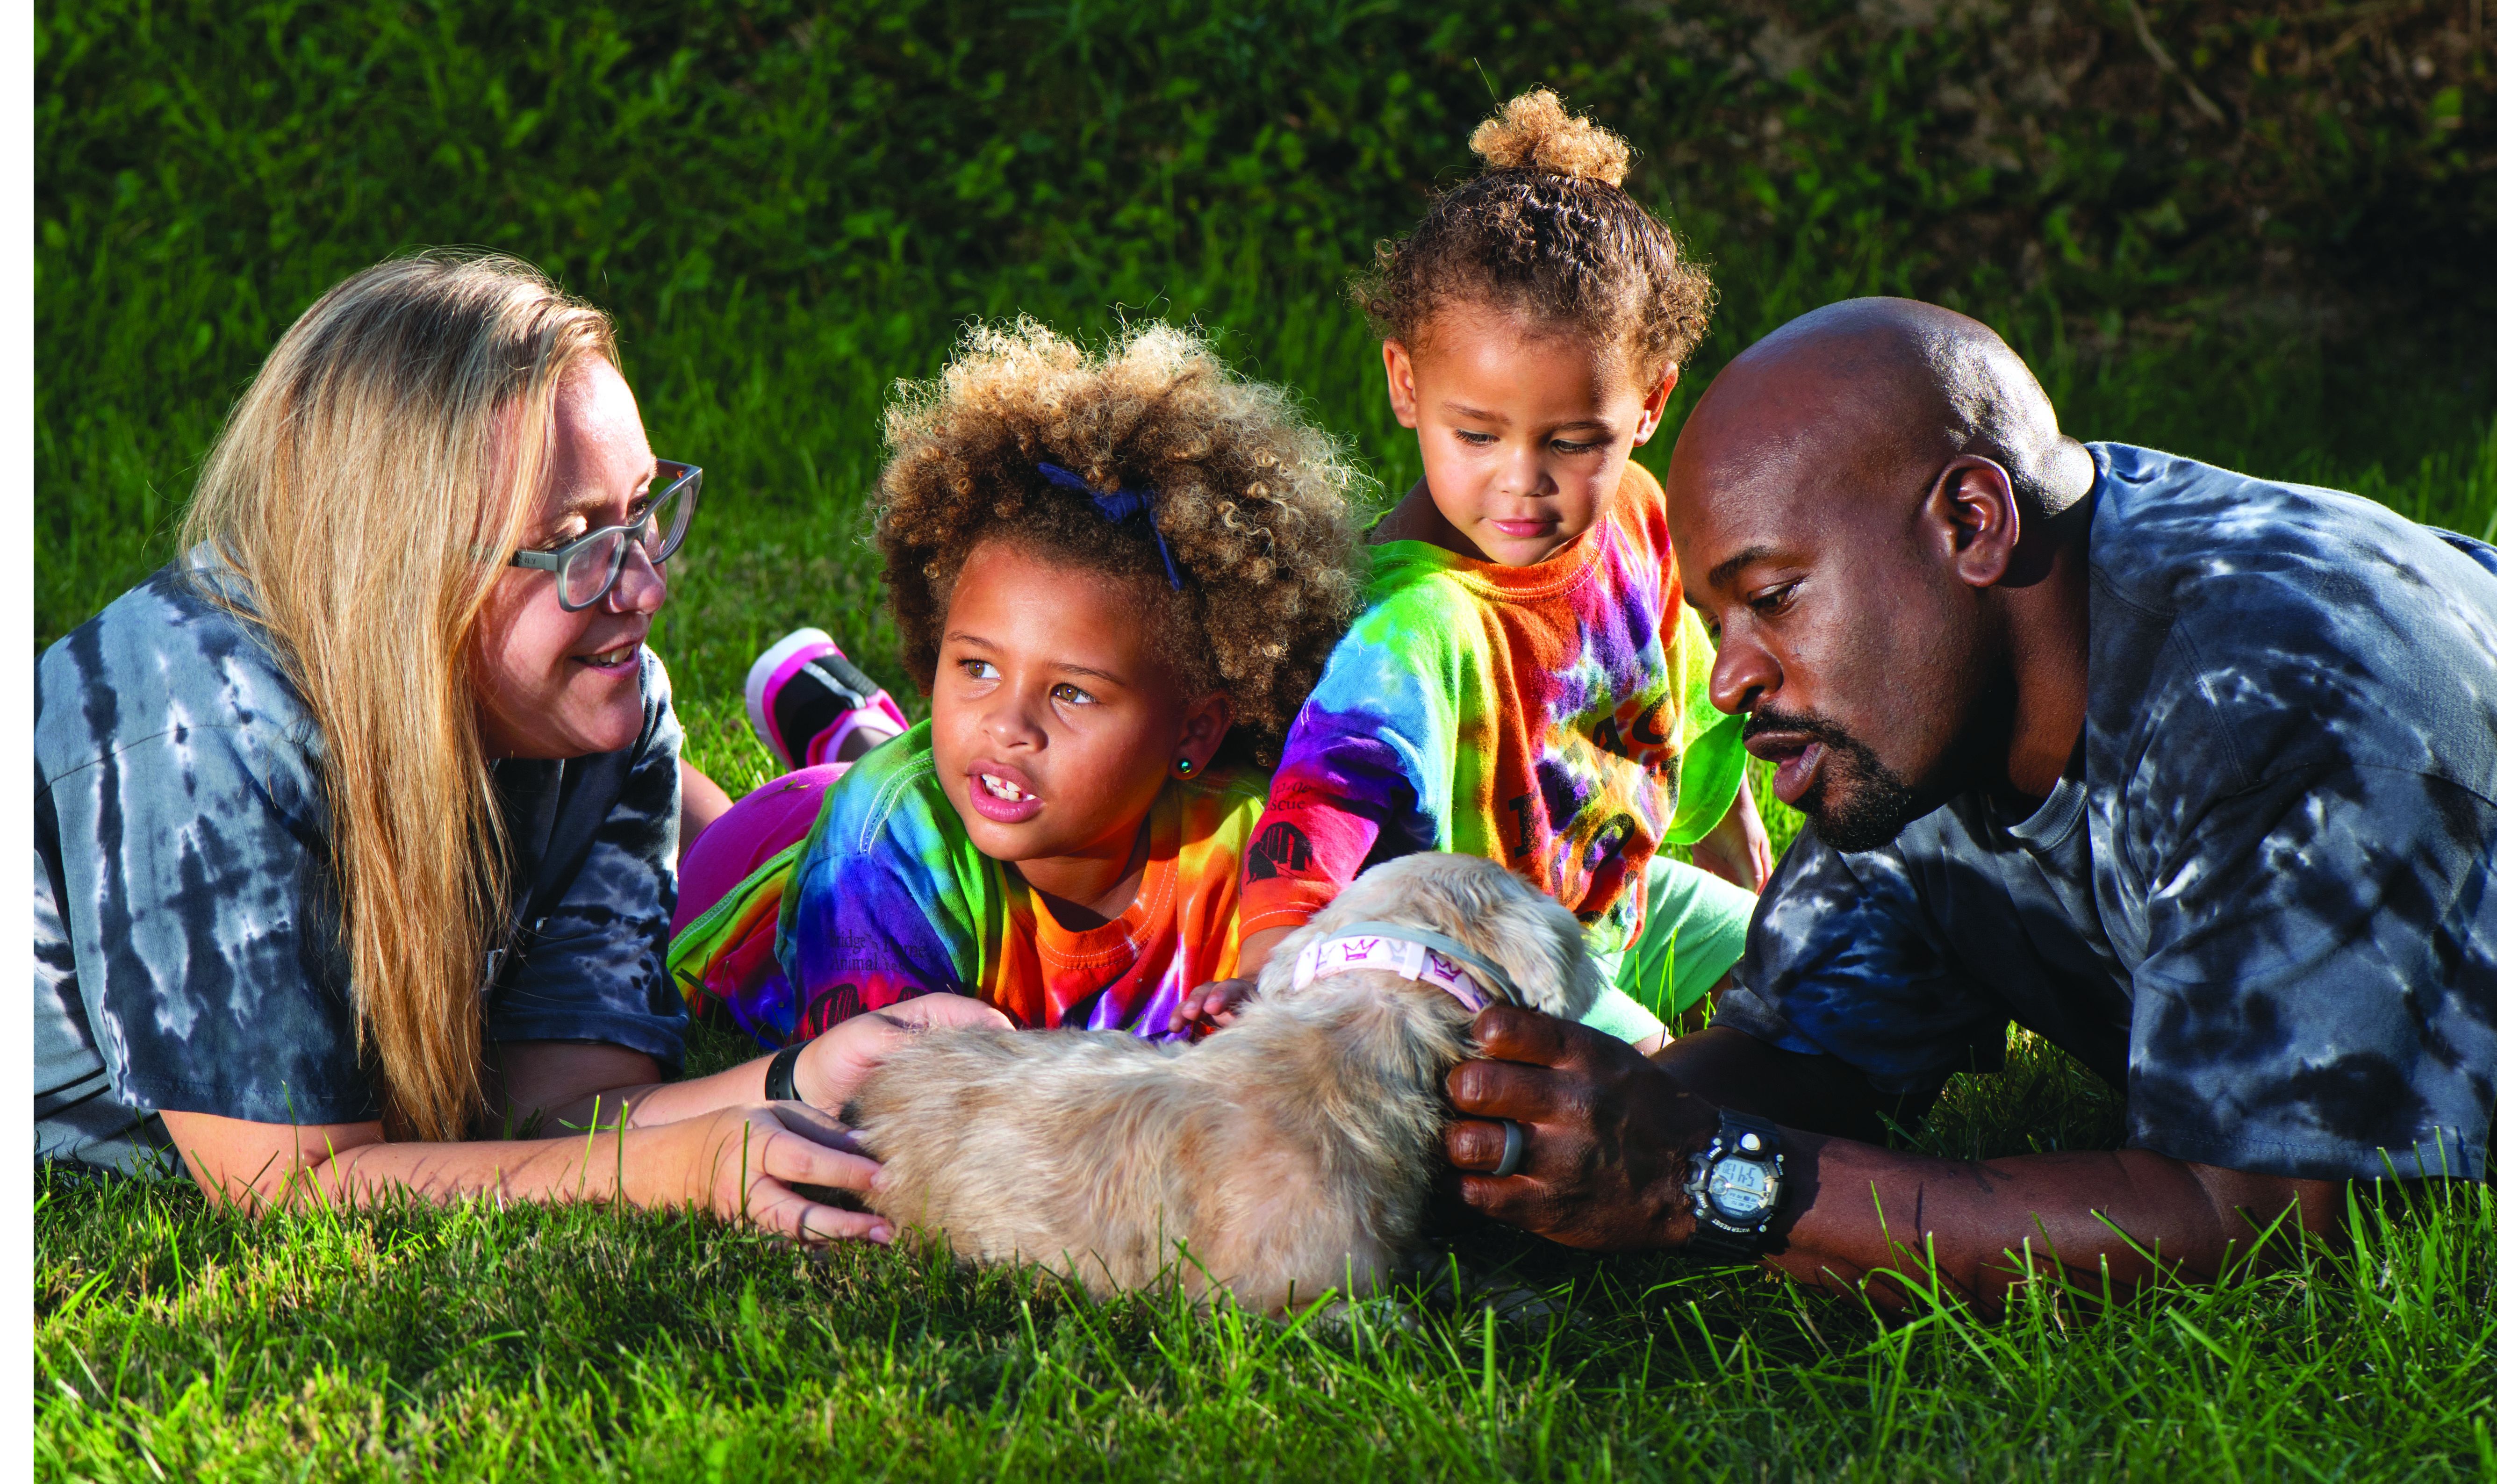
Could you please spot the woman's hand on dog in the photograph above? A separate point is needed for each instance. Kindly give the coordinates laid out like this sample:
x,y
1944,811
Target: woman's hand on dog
x,y
1608,1134
744,1164
767,1162
833,1064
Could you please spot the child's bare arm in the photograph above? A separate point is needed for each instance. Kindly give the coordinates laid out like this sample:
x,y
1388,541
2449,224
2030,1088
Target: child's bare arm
x,y
1738,848
1216,1004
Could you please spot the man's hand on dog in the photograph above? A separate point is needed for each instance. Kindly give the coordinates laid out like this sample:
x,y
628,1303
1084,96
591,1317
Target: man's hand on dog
x,y
1608,1134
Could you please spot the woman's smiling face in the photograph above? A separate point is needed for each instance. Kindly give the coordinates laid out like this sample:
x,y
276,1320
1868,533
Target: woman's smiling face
x,y
1057,718
558,684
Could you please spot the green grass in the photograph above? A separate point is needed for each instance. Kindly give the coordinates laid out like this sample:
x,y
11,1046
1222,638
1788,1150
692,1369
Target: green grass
x,y
174,1341
789,207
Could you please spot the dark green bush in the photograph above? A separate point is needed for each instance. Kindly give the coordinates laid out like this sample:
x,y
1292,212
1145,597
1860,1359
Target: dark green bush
x,y
2093,174
1923,145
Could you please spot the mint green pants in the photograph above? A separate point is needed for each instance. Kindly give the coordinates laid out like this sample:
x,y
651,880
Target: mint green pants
x,y
1694,930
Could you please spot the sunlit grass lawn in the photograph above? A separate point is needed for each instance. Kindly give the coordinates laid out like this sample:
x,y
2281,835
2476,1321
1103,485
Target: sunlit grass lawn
x,y
174,1341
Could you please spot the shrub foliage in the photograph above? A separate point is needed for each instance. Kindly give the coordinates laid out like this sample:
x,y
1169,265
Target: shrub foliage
x,y
203,171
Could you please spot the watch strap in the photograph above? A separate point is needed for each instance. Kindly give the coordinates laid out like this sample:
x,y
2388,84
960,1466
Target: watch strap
x,y
1712,1242
780,1079
1733,1126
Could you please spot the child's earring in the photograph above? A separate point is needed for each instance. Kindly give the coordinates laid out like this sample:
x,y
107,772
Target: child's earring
x,y
1185,767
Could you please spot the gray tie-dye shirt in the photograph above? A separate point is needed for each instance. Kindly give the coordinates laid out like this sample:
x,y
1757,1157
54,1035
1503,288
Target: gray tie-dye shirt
x,y
185,959
2264,909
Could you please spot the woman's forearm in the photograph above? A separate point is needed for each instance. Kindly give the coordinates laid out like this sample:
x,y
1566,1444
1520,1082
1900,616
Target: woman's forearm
x,y
673,1165
264,1166
645,1104
737,1163
587,1166
573,1085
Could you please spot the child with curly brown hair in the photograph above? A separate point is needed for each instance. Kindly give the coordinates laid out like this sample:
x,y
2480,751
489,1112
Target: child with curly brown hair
x,y
1117,576
1527,683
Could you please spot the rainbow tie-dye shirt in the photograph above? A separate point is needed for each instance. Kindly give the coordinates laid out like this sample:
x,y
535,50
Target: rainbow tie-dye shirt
x,y
1554,718
887,898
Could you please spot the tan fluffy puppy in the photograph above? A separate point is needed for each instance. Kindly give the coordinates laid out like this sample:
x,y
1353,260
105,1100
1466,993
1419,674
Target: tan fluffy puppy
x,y
1289,1153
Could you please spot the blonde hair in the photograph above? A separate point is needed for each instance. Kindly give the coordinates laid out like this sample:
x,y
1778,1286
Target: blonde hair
x,y
1536,131
368,488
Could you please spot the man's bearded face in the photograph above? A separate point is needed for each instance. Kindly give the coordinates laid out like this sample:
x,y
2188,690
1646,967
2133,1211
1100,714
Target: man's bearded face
x,y
1855,801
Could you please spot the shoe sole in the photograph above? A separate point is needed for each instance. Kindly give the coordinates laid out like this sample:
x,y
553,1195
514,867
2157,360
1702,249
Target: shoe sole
x,y
764,676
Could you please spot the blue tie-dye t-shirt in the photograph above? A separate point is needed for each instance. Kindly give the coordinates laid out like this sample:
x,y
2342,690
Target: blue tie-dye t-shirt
x,y
2263,909
185,954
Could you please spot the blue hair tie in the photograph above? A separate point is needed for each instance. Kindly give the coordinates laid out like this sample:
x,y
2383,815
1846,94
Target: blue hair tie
x,y
1118,509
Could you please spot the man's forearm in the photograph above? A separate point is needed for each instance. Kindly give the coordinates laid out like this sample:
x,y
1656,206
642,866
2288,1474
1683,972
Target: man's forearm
x,y
1611,1140
1856,1210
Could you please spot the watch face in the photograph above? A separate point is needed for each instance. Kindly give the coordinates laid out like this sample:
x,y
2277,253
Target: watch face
x,y
1740,1189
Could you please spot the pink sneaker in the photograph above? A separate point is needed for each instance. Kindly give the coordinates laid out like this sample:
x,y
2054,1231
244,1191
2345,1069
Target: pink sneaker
x,y
805,699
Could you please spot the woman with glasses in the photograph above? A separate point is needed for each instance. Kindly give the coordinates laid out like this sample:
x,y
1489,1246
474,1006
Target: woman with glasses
x,y
356,826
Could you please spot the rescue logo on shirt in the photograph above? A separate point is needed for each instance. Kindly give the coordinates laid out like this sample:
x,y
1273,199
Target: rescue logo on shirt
x,y
1280,848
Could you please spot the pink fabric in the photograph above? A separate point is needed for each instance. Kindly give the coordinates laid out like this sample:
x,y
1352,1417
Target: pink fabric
x,y
882,711
755,828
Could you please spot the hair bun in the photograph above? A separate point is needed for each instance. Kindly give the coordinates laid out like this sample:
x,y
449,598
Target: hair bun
x,y
1534,131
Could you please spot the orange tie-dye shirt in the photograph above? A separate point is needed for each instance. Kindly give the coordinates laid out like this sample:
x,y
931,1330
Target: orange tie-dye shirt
x,y
887,897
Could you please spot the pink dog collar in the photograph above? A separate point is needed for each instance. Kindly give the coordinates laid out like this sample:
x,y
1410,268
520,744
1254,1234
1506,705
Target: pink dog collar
x,y
1401,957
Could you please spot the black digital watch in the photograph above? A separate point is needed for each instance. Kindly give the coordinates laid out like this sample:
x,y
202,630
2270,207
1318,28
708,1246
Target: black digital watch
x,y
1735,1185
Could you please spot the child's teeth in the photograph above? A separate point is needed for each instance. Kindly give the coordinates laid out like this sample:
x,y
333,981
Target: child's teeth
x,y
1001,788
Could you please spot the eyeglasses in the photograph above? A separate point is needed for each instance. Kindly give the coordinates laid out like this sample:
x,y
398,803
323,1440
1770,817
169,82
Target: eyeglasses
x,y
585,570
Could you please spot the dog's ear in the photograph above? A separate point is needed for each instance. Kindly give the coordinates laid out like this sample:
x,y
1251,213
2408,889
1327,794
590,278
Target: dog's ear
x,y
1587,980
1489,910
1544,950
1381,894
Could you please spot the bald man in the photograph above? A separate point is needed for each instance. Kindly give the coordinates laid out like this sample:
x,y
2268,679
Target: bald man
x,y
2192,774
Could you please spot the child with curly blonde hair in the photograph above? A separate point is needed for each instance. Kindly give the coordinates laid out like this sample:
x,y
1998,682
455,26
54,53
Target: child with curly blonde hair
x,y
1527,683
1117,576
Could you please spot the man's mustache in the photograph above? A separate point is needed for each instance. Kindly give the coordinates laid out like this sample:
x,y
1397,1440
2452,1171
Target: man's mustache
x,y
1809,724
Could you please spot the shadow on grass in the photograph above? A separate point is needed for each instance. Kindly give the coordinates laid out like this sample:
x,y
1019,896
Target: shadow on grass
x,y
411,1340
